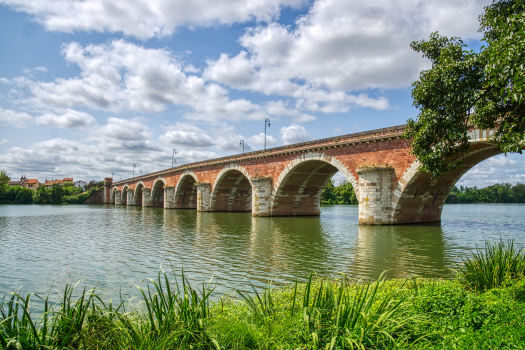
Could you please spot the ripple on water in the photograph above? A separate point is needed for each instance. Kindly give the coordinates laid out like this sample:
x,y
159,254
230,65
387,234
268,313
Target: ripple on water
x,y
119,247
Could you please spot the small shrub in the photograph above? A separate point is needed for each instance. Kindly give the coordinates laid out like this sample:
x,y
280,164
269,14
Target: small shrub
x,y
493,266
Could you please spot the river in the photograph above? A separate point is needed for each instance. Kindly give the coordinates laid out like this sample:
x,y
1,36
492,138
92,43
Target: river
x,y
118,246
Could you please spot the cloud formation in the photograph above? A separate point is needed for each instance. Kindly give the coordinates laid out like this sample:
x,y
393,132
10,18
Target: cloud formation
x,y
259,140
294,133
340,47
146,19
69,119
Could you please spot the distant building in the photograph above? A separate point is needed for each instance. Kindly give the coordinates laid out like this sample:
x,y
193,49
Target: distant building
x,y
80,183
50,183
32,184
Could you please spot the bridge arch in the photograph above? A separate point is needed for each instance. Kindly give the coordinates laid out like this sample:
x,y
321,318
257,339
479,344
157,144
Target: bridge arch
x,y
298,189
186,191
420,198
232,190
137,195
157,193
124,195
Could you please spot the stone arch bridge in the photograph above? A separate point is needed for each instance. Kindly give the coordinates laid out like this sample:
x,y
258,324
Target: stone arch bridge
x,y
289,180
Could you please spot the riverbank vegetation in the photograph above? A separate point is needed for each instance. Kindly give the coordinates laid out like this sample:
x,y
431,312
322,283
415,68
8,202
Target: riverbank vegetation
x,y
483,307
57,194
498,193
342,194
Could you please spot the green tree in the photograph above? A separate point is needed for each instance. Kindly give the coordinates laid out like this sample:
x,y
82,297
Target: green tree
x,y
57,194
342,194
42,195
4,183
483,88
328,196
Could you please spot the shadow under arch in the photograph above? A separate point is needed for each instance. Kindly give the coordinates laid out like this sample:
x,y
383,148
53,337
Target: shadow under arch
x,y
232,191
186,192
157,193
299,187
137,195
419,198
124,195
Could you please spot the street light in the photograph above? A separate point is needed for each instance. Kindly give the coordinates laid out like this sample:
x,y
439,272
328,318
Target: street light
x,y
140,172
112,175
242,144
266,122
134,166
173,160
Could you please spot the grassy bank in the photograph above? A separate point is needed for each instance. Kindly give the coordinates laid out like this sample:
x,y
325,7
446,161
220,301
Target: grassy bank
x,y
482,308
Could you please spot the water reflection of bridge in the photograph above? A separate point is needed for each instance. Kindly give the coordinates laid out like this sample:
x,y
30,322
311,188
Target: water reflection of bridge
x,y
235,247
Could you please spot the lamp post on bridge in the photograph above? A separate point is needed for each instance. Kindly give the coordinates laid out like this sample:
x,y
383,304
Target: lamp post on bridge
x,y
173,160
242,144
266,122
134,166
112,175
140,172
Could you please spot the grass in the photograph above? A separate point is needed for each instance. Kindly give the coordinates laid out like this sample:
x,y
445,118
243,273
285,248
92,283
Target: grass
x,y
493,266
322,313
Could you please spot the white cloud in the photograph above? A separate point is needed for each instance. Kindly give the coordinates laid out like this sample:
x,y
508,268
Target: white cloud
x,y
40,69
69,119
146,19
14,118
224,138
280,108
187,139
122,76
342,46
259,140
293,134
124,130
3,141
498,169
337,130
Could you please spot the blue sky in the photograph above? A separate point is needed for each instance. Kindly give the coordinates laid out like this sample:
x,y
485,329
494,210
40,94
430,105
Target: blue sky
x,y
88,88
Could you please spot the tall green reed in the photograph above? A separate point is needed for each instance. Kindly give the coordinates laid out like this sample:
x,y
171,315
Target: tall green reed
x,y
493,266
58,326
354,313
174,314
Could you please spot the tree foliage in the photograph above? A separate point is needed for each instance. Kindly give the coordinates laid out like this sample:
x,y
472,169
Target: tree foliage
x,y
342,194
463,88
498,193
4,182
17,195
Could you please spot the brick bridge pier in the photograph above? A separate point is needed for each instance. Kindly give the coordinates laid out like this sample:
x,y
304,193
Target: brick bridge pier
x,y
289,180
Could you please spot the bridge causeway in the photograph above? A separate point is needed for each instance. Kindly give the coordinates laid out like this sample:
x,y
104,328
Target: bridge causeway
x,y
289,180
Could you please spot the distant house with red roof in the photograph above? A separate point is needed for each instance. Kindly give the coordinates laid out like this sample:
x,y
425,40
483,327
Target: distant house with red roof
x,y
50,183
32,184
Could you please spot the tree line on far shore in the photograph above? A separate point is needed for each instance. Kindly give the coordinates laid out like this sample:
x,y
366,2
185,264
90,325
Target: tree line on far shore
x,y
498,193
57,194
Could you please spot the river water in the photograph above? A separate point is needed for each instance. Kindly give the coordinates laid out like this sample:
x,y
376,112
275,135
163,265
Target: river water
x,y
118,246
